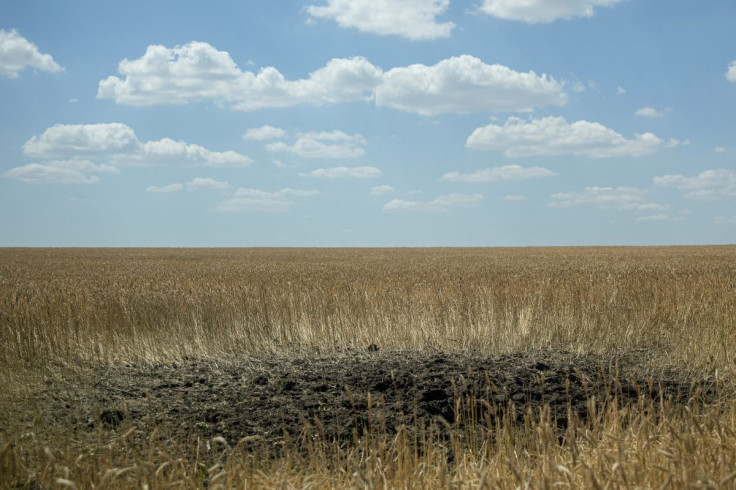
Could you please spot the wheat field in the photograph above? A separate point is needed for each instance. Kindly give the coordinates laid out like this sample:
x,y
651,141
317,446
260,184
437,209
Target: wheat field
x,y
66,312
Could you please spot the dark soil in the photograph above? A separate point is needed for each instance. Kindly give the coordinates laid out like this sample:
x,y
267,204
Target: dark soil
x,y
335,395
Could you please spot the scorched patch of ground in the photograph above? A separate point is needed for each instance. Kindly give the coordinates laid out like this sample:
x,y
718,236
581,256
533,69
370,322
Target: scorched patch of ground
x,y
264,398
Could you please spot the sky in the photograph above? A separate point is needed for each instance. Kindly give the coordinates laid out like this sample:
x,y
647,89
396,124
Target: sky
x,y
367,123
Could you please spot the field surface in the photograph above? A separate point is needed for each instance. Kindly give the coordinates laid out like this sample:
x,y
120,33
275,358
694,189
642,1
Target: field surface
x,y
368,367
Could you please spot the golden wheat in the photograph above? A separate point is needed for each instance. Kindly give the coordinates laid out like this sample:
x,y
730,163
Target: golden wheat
x,y
152,305
63,307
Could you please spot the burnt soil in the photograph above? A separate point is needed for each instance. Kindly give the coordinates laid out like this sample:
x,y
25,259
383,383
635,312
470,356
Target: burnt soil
x,y
265,398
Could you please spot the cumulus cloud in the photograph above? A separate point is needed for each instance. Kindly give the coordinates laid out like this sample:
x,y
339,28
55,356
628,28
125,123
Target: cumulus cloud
x,y
731,72
555,136
623,198
17,53
534,11
466,84
206,183
412,19
334,135
74,171
264,133
82,140
180,153
344,173
198,183
505,173
119,144
73,151
719,149
674,143
380,190
648,112
514,198
653,217
254,200
198,72
441,204
328,144
165,188
620,90
707,185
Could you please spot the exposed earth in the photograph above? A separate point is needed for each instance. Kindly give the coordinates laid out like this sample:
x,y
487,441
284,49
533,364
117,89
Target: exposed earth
x,y
264,398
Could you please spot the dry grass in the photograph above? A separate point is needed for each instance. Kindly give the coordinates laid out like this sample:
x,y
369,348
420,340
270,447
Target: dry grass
x,y
59,308
61,305
619,449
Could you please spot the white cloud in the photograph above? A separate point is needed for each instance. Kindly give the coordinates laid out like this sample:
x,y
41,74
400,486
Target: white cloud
x,y
412,19
118,143
514,198
731,72
620,90
441,204
334,135
311,145
674,143
534,11
62,140
199,72
380,190
264,133
75,171
466,84
17,53
206,183
74,150
165,188
648,112
719,149
196,184
345,172
505,173
708,185
180,153
725,220
653,217
555,136
624,198
254,200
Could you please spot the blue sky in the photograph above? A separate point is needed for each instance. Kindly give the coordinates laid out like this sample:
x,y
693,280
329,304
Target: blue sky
x,y
367,123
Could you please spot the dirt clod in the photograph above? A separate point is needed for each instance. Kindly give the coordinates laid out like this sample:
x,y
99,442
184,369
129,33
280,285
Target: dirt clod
x,y
111,417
